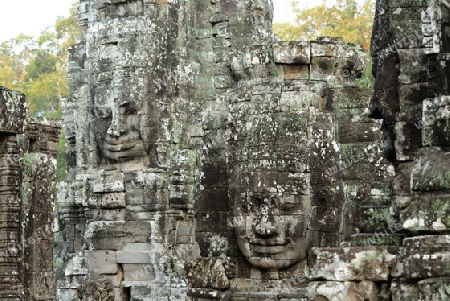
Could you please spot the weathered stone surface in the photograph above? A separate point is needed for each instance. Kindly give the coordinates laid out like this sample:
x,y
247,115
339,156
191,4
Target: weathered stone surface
x,y
430,172
425,257
27,179
104,262
208,156
351,264
426,213
14,114
292,53
104,235
337,291
404,292
435,289
139,253
207,273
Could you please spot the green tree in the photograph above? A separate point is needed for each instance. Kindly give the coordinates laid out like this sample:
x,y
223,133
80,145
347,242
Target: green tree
x,y
347,19
14,57
37,66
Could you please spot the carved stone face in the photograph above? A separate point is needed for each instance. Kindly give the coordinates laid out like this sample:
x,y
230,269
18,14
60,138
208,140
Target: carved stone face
x,y
117,126
271,215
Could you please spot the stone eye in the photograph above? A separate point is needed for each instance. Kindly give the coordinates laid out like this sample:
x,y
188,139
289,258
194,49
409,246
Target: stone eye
x,y
287,208
250,205
104,113
247,206
128,109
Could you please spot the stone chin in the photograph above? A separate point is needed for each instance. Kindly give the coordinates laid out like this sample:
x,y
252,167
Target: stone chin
x,y
274,256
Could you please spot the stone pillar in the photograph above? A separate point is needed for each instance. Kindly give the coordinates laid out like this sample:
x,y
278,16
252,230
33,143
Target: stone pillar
x,y
27,169
13,120
411,46
38,195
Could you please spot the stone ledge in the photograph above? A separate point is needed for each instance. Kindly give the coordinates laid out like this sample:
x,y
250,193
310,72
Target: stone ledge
x,y
339,291
351,263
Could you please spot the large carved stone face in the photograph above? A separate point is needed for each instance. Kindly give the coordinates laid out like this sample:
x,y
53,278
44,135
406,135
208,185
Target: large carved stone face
x,y
117,125
271,214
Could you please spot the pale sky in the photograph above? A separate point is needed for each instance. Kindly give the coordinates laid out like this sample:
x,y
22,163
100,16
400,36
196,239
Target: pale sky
x,y
283,11
32,16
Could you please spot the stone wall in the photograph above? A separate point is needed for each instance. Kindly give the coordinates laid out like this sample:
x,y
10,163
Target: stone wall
x,y
207,160
27,170
420,139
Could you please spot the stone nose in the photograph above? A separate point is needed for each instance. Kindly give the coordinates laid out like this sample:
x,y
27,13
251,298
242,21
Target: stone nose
x,y
266,228
116,128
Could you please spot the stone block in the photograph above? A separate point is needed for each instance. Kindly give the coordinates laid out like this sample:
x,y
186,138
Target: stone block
x,y
135,196
204,294
213,200
404,292
413,65
121,294
109,183
378,239
13,117
299,100
185,232
322,67
351,264
102,262
137,272
140,253
205,221
429,172
323,48
358,132
408,140
75,267
443,71
435,122
414,94
215,177
106,235
376,219
350,97
436,289
113,200
339,291
425,213
296,71
425,256
207,273
105,214
292,52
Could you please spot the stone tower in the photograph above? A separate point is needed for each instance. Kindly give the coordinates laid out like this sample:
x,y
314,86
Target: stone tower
x,y
209,161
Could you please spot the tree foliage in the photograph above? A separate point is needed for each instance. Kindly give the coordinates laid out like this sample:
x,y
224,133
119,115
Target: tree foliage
x,y
37,66
350,20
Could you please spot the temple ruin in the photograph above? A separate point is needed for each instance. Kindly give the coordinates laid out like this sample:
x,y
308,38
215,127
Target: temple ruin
x,y
27,173
207,160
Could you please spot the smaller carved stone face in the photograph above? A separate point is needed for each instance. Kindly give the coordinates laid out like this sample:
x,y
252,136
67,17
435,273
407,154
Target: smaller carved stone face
x,y
270,220
117,130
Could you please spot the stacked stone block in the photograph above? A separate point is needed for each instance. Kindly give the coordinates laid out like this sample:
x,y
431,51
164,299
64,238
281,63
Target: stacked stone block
x,y
418,30
185,113
27,166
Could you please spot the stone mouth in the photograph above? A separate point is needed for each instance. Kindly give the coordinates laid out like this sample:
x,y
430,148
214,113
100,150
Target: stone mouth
x,y
269,250
269,246
269,242
119,147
